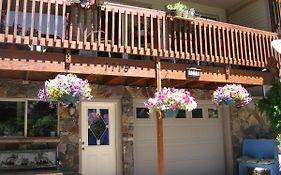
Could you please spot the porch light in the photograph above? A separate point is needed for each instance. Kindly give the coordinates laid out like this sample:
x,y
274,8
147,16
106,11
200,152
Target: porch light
x,y
193,72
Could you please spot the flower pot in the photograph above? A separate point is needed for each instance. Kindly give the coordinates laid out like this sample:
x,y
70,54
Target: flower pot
x,y
170,113
178,13
68,99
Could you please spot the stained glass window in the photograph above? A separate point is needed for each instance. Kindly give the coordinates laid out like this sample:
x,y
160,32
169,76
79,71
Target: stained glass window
x,y
98,130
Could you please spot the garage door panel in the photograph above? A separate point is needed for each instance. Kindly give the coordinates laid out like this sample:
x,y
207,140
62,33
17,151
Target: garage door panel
x,y
192,146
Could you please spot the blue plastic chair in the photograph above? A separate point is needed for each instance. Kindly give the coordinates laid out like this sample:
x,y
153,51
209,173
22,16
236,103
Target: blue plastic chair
x,y
259,153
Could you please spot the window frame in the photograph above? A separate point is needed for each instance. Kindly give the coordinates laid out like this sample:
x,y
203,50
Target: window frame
x,y
26,100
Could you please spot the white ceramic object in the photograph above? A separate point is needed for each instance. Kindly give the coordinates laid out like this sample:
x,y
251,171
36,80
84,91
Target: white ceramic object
x,y
276,44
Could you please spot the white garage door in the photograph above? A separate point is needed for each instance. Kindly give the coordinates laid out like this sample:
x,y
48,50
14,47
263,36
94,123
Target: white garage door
x,y
193,142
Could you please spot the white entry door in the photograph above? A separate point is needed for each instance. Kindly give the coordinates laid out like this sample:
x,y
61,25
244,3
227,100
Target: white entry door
x,y
98,147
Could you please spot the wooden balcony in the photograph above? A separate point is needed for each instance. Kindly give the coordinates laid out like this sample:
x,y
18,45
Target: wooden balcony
x,y
116,28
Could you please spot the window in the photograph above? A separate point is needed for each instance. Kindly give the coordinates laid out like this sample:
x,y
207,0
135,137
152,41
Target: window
x,y
142,113
213,113
181,114
28,118
12,118
197,113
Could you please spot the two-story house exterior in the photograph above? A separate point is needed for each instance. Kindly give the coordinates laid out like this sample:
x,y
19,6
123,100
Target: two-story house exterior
x,y
116,47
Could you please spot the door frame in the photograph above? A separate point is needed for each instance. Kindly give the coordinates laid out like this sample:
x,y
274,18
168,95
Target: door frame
x,y
118,136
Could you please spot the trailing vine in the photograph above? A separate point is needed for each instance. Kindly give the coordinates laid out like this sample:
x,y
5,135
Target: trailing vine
x,y
271,106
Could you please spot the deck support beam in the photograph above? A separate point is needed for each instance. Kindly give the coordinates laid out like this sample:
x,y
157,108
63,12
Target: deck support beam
x,y
159,121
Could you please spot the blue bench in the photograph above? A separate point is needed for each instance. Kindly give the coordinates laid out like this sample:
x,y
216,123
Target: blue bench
x,y
259,153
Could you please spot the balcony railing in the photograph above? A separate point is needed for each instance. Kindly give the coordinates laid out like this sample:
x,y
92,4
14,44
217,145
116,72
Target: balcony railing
x,y
133,30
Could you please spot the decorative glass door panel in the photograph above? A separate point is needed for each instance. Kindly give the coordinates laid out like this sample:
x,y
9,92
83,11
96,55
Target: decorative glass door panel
x,y
98,126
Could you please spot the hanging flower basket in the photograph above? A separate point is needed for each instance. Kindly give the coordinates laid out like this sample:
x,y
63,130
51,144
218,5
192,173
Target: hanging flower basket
x,y
171,99
231,95
86,3
66,89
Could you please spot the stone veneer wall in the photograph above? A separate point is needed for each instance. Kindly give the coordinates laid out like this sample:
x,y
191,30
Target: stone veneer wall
x,y
245,122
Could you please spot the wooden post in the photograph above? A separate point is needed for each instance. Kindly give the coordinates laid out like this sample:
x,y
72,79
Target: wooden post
x,y
159,121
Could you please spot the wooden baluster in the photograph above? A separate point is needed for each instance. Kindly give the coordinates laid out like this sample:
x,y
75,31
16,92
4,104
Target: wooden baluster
x,y
220,30
93,15
1,4
264,46
237,61
145,33
200,42
139,31
253,49
175,37
191,32
170,37
180,35
7,18
78,28
241,60
257,44
224,45
63,24
71,21
133,32
260,49
15,20
233,42
195,41
252,45
164,35
185,40
250,56
151,35
56,22
24,20
40,21
113,30
215,44
229,60
211,43
246,46
126,32
48,21
207,58
32,22
99,29
85,28
158,36
106,30
119,30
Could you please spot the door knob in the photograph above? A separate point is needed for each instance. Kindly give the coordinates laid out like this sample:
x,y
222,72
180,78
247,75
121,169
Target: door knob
x,y
83,148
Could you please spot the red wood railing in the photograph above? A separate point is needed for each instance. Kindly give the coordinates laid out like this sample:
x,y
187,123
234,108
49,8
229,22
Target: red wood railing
x,y
133,30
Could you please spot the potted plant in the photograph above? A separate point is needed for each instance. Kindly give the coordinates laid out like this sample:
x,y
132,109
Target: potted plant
x,y
170,100
176,9
86,3
66,89
232,95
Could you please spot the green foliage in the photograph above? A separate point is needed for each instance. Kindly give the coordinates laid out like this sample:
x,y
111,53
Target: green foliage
x,y
177,6
272,107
